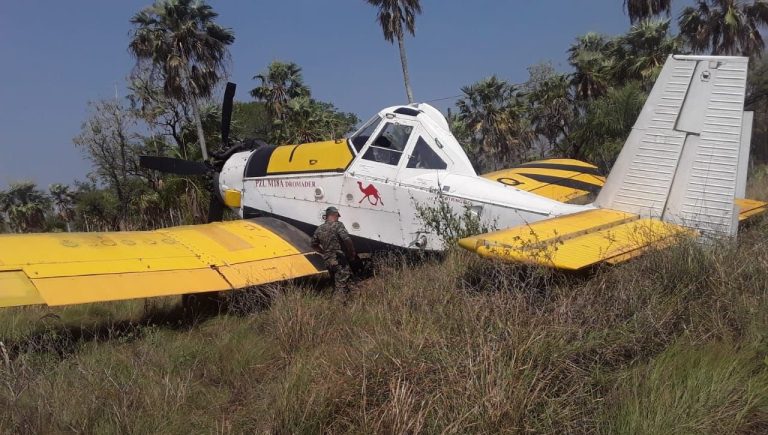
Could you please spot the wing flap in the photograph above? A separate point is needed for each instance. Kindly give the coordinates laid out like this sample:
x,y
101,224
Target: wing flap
x,y
71,268
68,290
269,270
576,241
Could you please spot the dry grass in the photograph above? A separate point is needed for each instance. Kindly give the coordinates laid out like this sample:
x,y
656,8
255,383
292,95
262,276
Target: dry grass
x,y
674,342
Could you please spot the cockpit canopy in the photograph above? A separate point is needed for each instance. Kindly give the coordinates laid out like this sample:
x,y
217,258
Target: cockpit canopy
x,y
418,132
400,138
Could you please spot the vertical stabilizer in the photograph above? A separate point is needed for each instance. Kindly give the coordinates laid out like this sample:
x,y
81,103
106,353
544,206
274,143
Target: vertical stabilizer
x,y
681,160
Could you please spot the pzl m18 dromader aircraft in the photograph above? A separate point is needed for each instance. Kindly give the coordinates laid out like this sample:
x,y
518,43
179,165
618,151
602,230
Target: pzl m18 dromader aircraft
x,y
682,170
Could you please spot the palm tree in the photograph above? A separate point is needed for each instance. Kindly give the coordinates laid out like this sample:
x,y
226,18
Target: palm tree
x,y
590,57
64,200
182,46
639,10
491,112
641,53
600,132
726,27
309,120
280,83
396,17
550,105
25,206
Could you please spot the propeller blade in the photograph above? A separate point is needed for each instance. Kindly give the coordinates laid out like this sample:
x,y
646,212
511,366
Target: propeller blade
x,y
226,112
170,165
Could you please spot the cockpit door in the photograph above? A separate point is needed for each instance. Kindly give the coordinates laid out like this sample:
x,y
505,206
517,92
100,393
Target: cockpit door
x,y
369,196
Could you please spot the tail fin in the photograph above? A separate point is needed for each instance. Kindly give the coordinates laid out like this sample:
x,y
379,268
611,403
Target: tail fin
x,y
681,163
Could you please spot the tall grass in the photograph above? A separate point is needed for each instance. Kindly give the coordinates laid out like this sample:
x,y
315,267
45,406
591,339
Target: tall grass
x,y
674,342
711,388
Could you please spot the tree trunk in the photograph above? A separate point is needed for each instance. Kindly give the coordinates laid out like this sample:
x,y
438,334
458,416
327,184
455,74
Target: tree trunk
x,y
187,77
404,63
200,133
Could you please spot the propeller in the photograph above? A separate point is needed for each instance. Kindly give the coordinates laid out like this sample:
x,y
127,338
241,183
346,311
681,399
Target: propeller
x,y
171,165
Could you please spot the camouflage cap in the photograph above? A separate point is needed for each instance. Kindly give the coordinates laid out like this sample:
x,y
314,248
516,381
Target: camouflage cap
x,y
331,210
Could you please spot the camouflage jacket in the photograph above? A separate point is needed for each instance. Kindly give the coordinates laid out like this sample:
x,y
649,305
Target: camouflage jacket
x,y
330,238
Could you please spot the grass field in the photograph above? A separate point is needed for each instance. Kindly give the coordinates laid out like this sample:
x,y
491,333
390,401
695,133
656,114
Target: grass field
x,y
675,342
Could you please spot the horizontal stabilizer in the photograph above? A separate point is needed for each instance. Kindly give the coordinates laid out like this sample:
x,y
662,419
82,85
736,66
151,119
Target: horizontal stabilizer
x,y
577,179
564,180
576,241
73,268
750,208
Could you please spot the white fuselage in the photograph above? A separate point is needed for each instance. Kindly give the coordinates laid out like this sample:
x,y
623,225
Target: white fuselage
x,y
379,202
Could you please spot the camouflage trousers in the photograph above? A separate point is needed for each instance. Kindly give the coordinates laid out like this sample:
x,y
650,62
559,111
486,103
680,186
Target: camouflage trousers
x,y
341,274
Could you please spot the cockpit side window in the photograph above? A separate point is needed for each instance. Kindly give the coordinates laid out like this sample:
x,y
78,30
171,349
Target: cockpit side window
x,y
424,157
389,145
361,137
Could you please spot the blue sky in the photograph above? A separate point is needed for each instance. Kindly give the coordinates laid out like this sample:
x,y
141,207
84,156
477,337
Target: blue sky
x,y
57,56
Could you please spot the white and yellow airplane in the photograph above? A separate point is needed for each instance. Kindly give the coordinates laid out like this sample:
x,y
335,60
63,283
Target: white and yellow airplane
x,y
682,170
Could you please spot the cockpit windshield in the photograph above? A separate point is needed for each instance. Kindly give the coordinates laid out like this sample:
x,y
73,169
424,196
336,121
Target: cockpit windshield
x,y
361,136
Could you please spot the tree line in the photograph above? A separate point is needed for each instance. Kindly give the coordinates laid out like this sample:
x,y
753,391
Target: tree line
x,y
182,58
588,112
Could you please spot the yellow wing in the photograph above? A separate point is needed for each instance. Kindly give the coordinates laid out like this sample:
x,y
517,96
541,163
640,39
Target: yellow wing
x,y
576,241
73,268
564,180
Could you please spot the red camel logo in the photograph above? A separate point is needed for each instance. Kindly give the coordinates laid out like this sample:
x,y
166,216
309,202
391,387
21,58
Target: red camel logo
x,y
371,193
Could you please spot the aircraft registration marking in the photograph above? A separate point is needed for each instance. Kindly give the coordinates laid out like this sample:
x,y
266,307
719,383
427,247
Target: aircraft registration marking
x,y
277,182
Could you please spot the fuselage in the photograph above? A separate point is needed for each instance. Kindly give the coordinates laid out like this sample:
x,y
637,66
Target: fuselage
x,y
383,179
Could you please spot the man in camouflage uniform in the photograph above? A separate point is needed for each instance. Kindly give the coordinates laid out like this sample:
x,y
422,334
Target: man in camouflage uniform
x,y
332,241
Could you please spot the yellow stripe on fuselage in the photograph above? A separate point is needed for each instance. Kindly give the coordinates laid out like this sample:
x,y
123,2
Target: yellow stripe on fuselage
x,y
327,156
